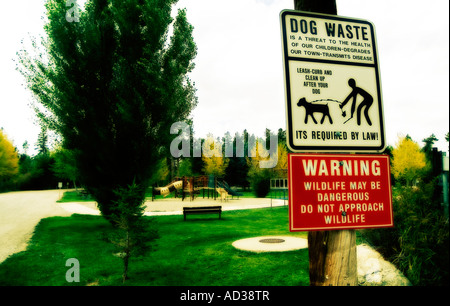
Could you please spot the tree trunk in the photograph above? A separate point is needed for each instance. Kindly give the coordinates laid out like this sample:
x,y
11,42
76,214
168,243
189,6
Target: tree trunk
x,y
126,258
125,268
318,6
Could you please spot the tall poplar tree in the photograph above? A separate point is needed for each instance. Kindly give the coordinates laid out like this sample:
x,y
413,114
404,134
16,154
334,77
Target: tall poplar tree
x,y
111,82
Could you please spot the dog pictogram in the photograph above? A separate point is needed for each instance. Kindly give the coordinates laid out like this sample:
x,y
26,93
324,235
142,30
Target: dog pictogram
x,y
315,108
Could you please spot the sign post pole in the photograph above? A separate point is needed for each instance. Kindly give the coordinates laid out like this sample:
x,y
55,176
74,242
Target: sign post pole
x,y
333,105
332,258
332,254
331,195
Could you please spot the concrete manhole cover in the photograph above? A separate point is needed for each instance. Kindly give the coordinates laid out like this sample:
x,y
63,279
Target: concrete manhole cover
x,y
271,244
272,240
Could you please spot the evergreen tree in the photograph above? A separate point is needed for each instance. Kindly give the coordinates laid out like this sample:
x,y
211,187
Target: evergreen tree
x,y
42,142
258,177
111,85
428,147
236,172
132,232
64,166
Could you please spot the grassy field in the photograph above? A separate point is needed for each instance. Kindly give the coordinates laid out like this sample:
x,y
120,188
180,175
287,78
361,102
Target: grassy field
x,y
75,196
193,252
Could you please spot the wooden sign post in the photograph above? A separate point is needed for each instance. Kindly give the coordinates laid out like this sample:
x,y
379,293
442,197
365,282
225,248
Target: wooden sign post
x,y
332,258
331,195
332,254
315,69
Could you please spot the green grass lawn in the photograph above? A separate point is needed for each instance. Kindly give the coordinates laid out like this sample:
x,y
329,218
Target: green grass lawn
x,y
196,252
74,196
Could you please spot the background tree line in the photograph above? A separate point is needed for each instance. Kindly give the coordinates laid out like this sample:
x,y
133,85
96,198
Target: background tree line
x,y
239,171
41,171
410,163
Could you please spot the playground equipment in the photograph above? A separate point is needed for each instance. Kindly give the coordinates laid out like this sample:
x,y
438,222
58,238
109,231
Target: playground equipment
x,y
224,185
192,186
166,190
278,189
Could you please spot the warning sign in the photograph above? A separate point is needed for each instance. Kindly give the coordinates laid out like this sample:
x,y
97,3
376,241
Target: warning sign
x,y
333,91
339,191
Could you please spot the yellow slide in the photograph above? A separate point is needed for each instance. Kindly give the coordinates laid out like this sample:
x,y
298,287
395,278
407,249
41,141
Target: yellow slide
x,y
223,193
166,190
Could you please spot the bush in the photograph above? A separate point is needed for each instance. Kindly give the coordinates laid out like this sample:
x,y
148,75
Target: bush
x,y
261,186
419,242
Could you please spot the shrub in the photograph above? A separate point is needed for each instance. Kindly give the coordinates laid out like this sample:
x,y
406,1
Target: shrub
x,y
261,186
419,242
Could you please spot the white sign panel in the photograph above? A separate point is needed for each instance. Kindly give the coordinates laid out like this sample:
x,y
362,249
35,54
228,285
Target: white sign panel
x,y
333,90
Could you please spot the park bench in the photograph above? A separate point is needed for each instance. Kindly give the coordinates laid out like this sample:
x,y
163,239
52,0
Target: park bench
x,y
202,210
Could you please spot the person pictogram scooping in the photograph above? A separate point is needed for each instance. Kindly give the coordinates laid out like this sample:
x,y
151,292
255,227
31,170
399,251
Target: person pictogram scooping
x,y
366,102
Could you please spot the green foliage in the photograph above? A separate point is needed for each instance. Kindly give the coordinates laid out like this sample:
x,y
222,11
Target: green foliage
x,y
42,175
185,167
74,196
260,185
236,172
428,147
161,174
258,177
36,173
42,143
64,167
419,243
423,237
131,234
111,85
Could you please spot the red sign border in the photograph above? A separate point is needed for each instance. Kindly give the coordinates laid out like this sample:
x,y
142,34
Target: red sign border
x,y
302,229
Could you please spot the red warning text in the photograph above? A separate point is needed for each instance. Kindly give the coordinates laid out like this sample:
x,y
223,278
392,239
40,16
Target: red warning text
x,y
339,191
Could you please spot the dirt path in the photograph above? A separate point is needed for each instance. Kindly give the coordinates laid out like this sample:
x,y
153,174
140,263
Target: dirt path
x,y
20,212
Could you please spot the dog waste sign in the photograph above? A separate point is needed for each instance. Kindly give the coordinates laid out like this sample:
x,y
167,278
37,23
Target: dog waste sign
x,y
332,84
339,191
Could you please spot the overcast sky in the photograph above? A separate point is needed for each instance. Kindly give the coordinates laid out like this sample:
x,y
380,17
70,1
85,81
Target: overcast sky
x,y
239,68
